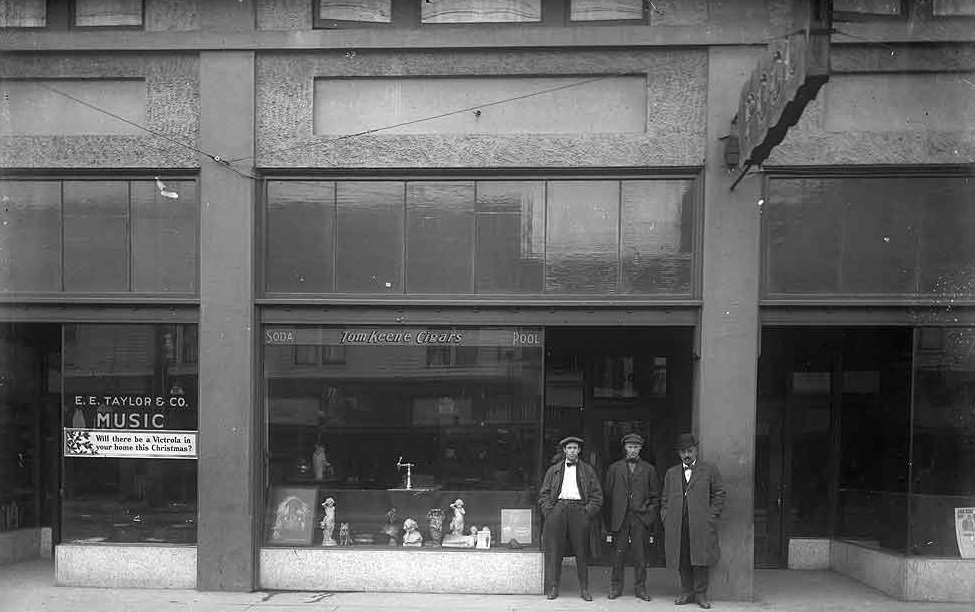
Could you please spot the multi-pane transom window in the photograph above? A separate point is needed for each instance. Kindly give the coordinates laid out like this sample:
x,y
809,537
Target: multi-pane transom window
x,y
608,236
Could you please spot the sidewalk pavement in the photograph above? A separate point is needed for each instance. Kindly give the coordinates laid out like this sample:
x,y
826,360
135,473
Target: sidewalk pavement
x,y
29,587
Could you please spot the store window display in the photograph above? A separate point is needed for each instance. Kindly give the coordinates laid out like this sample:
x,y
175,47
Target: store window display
x,y
413,430
129,420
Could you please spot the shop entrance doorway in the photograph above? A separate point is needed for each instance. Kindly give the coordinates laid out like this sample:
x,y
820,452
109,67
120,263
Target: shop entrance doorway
x,y
604,382
827,399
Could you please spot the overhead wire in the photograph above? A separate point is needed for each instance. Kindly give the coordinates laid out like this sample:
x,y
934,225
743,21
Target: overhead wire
x,y
215,158
458,111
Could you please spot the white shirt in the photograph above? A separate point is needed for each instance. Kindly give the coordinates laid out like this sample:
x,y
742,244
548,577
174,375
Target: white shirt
x,y
688,470
570,488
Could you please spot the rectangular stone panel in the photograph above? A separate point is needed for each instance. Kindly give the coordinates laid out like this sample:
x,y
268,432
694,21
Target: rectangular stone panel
x,y
481,105
899,103
35,108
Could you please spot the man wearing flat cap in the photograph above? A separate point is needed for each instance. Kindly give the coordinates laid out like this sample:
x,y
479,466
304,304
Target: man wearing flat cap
x,y
633,494
691,504
570,498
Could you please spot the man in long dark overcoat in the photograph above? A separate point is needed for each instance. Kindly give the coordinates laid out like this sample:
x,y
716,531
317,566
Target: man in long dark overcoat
x,y
691,504
570,498
633,493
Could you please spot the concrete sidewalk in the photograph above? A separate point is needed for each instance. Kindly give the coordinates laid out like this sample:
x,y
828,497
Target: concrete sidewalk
x,y
29,587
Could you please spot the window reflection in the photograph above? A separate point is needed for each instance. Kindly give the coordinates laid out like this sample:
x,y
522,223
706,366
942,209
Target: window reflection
x,y
23,14
480,11
108,12
943,437
460,404
96,236
440,237
30,259
603,10
136,498
300,234
373,11
369,237
583,237
510,236
657,236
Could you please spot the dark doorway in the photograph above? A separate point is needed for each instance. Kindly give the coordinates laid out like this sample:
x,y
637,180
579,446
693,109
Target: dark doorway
x,y
30,426
825,396
602,383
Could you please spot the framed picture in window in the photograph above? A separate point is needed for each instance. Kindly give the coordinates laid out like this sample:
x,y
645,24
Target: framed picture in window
x,y
291,515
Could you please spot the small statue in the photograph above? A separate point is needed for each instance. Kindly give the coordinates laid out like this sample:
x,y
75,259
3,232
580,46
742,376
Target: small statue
x,y
391,529
412,537
435,516
345,535
457,523
328,522
471,540
319,463
483,539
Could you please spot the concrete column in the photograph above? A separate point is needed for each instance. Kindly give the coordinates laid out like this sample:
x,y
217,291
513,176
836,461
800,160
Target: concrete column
x,y
724,410
229,464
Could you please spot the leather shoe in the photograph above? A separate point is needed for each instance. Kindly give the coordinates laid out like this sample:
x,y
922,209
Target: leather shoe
x,y
584,594
704,602
684,598
642,594
552,593
614,594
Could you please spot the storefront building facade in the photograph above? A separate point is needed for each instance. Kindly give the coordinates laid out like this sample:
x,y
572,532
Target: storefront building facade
x,y
279,276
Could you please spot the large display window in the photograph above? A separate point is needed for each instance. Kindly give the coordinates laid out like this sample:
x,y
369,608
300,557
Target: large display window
x,y
129,433
403,436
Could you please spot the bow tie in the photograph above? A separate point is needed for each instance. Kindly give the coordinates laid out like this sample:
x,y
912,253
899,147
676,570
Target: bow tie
x,y
632,460
570,463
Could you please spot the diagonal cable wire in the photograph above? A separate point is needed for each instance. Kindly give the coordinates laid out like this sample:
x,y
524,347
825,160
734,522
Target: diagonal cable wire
x,y
215,158
438,116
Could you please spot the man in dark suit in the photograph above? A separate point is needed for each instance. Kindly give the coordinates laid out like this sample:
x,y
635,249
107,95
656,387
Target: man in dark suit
x,y
691,504
570,498
634,497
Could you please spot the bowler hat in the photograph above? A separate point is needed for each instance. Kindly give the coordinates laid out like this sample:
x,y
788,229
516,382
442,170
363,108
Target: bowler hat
x,y
565,441
633,438
686,441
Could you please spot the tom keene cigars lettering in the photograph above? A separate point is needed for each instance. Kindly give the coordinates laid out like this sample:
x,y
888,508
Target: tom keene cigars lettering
x,y
381,337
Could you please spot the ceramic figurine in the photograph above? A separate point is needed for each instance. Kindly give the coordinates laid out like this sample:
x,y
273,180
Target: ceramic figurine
x,y
472,539
435,517
391,529
457,524
412,535
483,539
345,535
319,463
328,522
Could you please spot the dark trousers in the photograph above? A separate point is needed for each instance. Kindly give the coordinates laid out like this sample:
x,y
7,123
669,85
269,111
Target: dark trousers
x,y
567,523
632,536
693,578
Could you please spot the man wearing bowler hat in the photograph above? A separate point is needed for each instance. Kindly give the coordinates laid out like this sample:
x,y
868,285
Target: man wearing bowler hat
x,y
569,499
690,507
634,497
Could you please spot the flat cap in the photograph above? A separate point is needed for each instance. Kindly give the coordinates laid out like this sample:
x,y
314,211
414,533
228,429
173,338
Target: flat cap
x,y
565,441
632,438
685,440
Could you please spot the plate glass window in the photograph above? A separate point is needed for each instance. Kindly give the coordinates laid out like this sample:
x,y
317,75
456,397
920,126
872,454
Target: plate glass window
x,y
481,11
603,10
364,11
23,13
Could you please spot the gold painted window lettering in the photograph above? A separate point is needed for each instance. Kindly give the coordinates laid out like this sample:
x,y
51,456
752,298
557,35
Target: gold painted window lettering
x,y
107,13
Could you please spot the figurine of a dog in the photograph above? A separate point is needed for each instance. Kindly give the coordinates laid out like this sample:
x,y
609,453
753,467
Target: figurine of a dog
x,y
345,535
